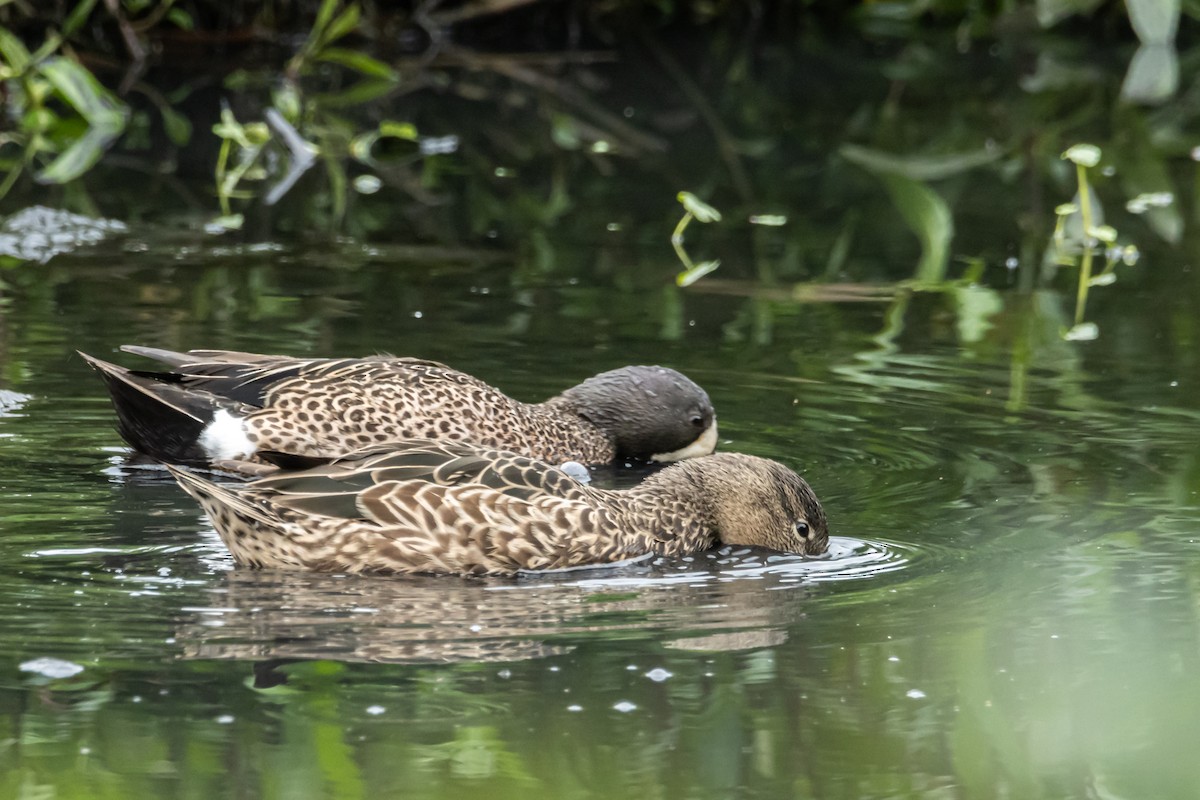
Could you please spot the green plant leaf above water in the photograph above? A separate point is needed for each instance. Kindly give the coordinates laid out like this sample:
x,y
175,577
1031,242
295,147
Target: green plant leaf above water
x,y
690,276
359,62
928,216
699,209
1154,21
83,92
917,167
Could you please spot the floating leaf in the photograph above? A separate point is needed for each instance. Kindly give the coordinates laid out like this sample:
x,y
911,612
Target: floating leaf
x,y
917,167
1085,155
690,276
702,211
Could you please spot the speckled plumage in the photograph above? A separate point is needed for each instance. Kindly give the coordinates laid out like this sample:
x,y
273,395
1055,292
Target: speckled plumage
x,y
428,507
330,407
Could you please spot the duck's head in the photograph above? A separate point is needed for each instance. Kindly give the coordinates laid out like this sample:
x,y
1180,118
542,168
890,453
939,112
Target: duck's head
x,y
651,413
759,502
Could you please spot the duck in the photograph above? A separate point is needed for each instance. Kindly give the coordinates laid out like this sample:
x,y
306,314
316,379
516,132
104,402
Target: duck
x,y
213,408
451,508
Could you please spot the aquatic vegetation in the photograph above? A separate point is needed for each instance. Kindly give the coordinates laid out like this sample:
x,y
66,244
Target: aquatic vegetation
x,y
1080,234
694,208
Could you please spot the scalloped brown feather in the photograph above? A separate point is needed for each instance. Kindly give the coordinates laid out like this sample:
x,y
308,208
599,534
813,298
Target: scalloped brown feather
x,y
436,508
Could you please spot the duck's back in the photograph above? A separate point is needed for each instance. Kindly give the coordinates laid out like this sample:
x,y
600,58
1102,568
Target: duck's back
x,y
328,408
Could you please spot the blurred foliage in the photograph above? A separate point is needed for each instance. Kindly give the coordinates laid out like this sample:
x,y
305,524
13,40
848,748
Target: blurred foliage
x,y
539,126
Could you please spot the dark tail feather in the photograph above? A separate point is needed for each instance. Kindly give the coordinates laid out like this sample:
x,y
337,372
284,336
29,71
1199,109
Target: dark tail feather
x,y
157,417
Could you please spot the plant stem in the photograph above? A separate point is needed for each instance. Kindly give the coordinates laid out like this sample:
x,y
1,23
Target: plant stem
x,y
1085,267
677,240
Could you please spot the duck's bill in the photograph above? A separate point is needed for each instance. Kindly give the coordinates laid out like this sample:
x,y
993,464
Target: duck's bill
x,y
704,444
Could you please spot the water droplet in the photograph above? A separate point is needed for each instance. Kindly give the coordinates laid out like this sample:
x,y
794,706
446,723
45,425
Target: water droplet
x,y
575,708
375,711
915,694
625,707
658,674
224,719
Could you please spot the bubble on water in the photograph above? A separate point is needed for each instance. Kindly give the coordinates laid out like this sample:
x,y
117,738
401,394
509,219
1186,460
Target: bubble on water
x,y
625,707
658,674
224,719
915,694
375,710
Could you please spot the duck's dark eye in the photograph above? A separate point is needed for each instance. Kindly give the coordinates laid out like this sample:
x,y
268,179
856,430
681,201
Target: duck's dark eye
x,y
697,421
802,530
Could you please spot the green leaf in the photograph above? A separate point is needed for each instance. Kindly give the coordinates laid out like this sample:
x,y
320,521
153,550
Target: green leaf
x,y
359,62
78,16
80,89
324,15
918,167
1153,75
13,51
359,94
1085,155
344,24
77,159
702,211
928,216
399,130
181,19
1154,21
690,276
178,127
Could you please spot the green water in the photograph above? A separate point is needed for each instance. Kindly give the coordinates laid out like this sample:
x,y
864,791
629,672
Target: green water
x,y
1012,604
1011,608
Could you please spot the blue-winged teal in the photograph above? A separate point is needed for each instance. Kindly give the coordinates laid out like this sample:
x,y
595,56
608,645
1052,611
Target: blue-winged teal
x,y
434,507
216,406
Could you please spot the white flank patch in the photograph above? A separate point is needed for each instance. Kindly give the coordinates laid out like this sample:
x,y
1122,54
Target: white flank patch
x,y
225,438
704,444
